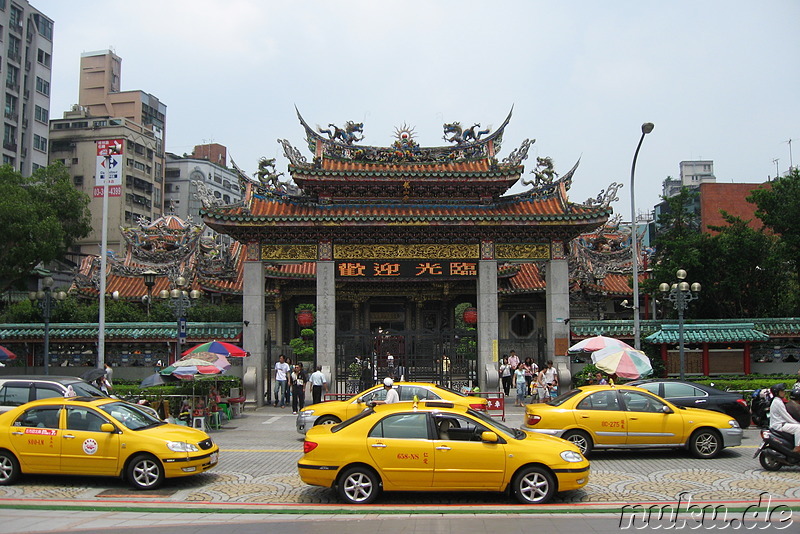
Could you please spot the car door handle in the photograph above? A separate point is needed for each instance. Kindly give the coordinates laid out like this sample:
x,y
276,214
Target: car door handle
x,y
378,445
442,448
699,401
584,417
17,433
69,436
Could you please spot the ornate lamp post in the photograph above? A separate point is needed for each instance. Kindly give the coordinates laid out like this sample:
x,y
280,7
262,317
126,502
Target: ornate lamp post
x,y
180,300
44,297
680,293
149,281
646,129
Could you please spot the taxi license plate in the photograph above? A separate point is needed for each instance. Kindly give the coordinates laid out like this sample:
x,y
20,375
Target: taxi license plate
x,y
213,458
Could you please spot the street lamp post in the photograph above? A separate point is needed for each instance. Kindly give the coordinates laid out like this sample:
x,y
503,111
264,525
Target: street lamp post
x,y
45,298
180,300
149,281
680,293
647,127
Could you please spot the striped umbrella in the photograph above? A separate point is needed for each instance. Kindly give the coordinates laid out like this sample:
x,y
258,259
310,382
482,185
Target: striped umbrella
x,y
229,350
625,363
591,344
200,363
6,354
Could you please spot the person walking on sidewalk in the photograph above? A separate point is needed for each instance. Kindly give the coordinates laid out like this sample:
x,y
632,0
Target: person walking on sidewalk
x,y
318,384
521,385
298,388
281,377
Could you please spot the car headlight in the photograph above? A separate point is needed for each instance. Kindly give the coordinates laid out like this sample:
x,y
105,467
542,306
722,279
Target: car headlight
x,y
307,412
733,423
181,446
571,456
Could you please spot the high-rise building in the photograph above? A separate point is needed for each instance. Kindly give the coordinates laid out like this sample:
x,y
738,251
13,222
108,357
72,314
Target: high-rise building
x,y
207,165
26,36
104,112
73,142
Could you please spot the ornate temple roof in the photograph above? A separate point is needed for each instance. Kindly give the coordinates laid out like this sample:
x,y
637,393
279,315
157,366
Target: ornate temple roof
x,y
407,193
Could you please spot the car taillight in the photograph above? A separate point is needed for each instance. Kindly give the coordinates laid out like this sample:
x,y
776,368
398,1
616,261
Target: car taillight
x,y
533,419
481,407
742,402
309,446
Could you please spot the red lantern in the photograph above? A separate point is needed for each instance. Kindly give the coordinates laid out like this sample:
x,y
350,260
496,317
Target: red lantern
x,y
305,318
470,316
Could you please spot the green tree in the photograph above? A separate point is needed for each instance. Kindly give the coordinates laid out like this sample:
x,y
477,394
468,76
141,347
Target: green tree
x,y
778,207
41,217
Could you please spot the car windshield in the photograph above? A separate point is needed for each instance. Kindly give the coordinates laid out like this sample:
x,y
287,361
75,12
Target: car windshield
x,y
513,433
130,415
82,389
358,417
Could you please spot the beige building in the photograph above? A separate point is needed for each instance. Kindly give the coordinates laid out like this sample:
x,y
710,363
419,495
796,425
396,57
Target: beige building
x,y
105,112
26,51
73,142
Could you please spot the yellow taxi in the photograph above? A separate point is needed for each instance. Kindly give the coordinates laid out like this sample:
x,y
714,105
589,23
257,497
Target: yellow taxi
x,y
99,436
437,446
332,412
627,417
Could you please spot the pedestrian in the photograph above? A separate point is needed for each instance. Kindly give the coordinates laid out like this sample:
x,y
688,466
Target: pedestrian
x,y
521,385
318,384
109,373
779,417
600,380
281,379
287,395
551,378
530,372
298,388
505,375
513,360
541,387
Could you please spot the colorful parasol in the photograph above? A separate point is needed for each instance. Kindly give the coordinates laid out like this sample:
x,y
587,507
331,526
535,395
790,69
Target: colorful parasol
x,y
229,350
198,363
592,344
623,362
6,354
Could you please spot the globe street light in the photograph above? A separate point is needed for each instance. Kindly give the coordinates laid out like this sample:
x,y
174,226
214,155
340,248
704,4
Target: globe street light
x,y
180,300
680,293
44,297
647,127
149,281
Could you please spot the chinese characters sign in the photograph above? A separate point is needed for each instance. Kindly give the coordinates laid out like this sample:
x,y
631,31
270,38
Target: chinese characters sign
x,y
408,269
109,167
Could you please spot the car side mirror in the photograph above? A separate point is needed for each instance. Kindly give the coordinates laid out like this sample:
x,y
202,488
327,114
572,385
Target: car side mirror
x,y
488,436
108,428
666,409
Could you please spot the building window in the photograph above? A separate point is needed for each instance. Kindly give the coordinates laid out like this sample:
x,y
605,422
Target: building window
x,y
14,46
78,181
98,124
11,107
43,58
44,26
12,77
15,18
10,135
41,114
40,143
43,86
8,160
522,324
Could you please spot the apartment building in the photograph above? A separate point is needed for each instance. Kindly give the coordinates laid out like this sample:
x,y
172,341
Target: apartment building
x,y
26,51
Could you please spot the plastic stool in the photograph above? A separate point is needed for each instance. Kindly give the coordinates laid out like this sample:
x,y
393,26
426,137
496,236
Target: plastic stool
x,y
226,409
199,422
214,420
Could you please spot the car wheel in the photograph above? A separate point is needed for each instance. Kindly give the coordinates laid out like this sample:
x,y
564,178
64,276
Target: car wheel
x,y
705,443
580,439
9,468
534,485
145,472
327,420
768,462
358,485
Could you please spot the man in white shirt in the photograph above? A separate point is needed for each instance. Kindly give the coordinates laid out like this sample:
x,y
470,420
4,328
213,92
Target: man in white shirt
x,y
391,394
281,377
318,384
513,360
779,418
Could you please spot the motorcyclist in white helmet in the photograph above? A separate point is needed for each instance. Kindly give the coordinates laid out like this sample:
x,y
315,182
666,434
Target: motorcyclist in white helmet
x,y
779,417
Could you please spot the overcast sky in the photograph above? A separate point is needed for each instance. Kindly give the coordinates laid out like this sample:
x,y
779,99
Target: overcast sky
x,y
719,79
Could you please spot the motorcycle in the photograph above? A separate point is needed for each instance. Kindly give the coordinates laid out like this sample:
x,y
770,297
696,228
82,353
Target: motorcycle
x,y
775,450
759,407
